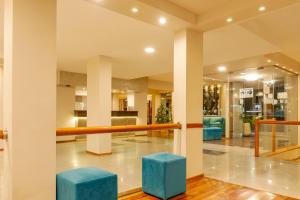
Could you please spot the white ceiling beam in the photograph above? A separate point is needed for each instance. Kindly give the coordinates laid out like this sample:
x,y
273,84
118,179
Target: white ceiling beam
x,y
172,9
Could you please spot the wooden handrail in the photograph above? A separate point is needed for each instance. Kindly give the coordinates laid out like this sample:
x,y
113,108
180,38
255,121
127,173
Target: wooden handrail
x,y
271,122
113,129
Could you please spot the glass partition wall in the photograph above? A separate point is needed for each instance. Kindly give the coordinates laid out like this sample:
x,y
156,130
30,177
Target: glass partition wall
x,y
256,93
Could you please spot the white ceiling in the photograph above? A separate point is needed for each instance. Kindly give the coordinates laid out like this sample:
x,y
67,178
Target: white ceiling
x,y
281,28
202,7
86,29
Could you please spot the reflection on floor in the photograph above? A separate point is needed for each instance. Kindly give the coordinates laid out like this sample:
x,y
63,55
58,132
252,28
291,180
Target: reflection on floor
x,y
238,141
206,188
239,166
125,159
231,164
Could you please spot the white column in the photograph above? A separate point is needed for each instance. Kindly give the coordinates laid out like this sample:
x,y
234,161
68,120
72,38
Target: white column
x,y
140,105
298,101
29,103
115,102
187,97
99,80
1,103
225,111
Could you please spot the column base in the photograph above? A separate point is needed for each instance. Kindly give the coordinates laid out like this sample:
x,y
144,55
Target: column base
x,y
98,154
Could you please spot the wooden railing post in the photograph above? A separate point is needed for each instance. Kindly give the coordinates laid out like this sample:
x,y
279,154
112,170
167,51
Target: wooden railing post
x,y
257,124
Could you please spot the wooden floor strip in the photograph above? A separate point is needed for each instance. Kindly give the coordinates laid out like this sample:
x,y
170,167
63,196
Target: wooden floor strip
x,y
210,189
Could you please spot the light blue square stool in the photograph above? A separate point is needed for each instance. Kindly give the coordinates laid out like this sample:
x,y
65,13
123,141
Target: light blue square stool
x,y
212,133
164,175
86,184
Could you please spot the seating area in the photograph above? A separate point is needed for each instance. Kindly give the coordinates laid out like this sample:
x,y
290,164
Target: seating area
x,y
164,176
86,183
214,127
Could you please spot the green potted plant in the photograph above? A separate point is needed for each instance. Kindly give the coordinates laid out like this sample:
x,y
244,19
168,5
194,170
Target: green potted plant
x,y
248,123
164,116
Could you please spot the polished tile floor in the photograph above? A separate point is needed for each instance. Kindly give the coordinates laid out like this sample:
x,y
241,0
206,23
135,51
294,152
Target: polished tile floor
x,y
227,163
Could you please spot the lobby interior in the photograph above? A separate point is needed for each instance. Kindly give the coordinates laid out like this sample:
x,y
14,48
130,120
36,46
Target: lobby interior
x,y
210,69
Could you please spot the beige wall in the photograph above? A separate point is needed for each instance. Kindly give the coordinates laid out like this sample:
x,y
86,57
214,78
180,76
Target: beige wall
x,y
65,102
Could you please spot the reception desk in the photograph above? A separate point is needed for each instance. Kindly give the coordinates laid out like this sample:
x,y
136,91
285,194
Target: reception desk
x,y
118,118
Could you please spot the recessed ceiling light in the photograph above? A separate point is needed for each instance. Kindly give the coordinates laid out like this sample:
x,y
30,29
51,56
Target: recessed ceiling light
x,y
162,20
243,73
149,50
283,67
97,1
262,8
135,10
269,61
229,19
222,68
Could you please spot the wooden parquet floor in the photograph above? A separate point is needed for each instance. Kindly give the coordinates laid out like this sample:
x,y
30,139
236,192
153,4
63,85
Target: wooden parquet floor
x,y
210,189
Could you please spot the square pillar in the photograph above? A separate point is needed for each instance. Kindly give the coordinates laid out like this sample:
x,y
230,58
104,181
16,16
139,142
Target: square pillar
x,y
99,78
140,105
188,78
29,103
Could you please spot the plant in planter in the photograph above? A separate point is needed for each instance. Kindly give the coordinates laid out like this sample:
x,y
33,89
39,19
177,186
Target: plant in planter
x,y
248,123
164,114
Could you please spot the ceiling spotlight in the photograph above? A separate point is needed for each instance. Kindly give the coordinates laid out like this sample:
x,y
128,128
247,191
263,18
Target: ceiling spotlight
x,y
262,8
269,61
243,73
135,10
149,50
222,68
162,20
229,19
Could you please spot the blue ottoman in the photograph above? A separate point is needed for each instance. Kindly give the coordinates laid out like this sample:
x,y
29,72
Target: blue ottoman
x,y
212,133
164,175
86,184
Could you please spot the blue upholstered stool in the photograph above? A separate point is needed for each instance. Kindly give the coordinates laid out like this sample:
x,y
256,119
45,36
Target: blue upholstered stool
x,y
164,175
212,133
86,184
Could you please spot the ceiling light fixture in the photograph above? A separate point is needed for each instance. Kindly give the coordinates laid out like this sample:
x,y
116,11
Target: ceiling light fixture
x,y
135,10
222,68
251,77
269,61
149,50
162,20
262,8
229,19
243,73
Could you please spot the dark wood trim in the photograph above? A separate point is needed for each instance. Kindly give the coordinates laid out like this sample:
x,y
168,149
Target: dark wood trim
x,y
83,113
65,141
1,135
194,125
